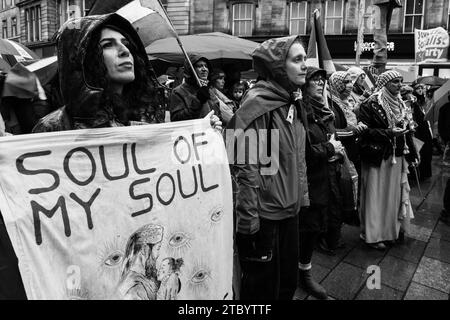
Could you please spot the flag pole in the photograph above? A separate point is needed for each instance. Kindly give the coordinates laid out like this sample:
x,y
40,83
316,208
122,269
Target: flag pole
x,y
180,44
360,39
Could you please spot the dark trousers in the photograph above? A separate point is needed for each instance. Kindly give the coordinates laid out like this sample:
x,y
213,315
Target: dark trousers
x,y
334,214
11,287
447,197
307,243
272,276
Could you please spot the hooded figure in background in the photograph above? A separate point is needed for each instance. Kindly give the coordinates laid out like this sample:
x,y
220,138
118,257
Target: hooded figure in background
x,y
105,77
269,196
190,101
359,92
423,131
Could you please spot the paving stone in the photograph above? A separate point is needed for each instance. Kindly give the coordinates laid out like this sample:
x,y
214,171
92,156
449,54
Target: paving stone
x,y
419,233
319,272
417,291
363,256
384,293
312,298
411,250
431,210
442,231
396,273
327,261
433,273
438,249
425,220
345,281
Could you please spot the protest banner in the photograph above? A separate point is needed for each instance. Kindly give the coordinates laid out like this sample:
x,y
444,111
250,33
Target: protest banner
x,y
141,212
431,45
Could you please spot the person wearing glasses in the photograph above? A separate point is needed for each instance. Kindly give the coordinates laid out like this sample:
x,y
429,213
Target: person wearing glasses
x,y
322,153
385,147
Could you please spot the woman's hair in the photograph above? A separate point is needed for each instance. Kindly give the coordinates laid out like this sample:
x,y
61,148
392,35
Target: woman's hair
x,y
137,96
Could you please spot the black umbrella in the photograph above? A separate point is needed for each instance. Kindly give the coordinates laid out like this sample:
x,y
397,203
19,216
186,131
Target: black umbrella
x,y
430,81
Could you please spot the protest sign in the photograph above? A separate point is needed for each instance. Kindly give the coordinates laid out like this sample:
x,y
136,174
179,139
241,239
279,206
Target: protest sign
x,y
140,212
431,45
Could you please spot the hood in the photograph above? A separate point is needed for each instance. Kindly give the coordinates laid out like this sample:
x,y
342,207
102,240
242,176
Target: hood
x,y
81,98
188,73
354,73
269,60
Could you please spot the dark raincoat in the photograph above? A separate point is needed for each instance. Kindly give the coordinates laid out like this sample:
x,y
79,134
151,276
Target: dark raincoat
x,y
184,104
82,101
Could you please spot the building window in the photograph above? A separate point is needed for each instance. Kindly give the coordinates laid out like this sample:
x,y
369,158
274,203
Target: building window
x,y
298,17
13,27
33,23
68,9
242,14
5,29
3,4
334,15
413,15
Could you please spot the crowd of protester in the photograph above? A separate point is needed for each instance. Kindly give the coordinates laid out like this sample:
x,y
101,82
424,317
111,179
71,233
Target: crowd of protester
x,y
346,149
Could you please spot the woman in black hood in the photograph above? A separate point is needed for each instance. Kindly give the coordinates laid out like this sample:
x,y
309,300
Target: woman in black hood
x,y
105,77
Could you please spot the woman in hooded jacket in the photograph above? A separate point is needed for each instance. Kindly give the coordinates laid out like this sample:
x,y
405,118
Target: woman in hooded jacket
x,y
270,195
105,77
359,92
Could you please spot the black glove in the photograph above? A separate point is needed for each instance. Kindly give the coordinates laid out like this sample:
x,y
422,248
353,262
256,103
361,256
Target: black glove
x,y
203,94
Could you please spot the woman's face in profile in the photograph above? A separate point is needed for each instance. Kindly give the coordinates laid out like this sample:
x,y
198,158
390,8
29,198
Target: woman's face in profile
x,y
119,61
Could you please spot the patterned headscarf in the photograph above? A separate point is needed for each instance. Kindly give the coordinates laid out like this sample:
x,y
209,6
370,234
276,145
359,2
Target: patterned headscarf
x,y
387,76
392,105
338,89
337,81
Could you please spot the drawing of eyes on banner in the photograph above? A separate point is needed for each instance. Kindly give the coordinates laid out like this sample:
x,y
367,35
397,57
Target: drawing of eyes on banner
x,y
139,212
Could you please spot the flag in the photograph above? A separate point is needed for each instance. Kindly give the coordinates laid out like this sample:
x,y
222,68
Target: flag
x,y
382,23
318,54
148,17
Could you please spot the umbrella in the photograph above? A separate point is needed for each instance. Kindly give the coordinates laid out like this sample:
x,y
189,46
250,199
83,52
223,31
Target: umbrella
x,y
440,97
430,81
12,52
23,83
20,83
45,69
219,48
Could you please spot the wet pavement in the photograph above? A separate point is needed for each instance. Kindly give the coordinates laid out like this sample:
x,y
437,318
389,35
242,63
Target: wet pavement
x,y
418,269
